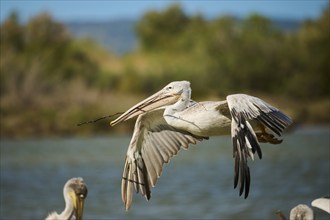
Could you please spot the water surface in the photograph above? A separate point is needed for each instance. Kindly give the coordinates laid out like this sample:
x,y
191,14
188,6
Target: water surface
x,y
196,184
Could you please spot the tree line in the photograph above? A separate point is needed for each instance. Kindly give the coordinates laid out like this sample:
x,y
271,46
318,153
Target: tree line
x,y
229,55
48,74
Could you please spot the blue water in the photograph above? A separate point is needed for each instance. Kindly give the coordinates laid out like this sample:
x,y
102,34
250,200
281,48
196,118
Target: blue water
x,y
196,184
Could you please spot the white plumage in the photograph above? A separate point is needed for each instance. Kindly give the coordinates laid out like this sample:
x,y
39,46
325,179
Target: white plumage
x,y
169,120
74,192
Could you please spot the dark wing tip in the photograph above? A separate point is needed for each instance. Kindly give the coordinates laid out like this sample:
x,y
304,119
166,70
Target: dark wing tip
x,y
247,182
243,135
275,120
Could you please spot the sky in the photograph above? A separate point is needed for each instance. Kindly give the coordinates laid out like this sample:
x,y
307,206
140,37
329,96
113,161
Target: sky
x,y
103,10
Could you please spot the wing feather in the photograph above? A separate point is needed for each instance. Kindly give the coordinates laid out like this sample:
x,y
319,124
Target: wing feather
x,y
156,159
243,108
164,146
150,163
178,139
124,183
153,143
255,108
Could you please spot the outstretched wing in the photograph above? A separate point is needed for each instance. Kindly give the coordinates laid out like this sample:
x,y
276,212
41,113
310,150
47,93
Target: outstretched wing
x,y
153,143
245,143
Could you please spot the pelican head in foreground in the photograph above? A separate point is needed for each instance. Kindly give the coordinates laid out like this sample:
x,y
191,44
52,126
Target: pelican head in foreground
x,y
75,192
301,212
304,212
169,120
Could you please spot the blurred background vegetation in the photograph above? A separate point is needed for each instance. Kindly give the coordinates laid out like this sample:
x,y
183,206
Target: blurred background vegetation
x,y
50,80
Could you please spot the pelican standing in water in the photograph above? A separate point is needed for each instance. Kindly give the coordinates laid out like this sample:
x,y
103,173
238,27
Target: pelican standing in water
x,y
75,193
301,212
304,212
169,120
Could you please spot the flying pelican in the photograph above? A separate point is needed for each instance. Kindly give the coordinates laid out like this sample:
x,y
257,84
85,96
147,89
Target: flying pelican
x,y
169,120
75,192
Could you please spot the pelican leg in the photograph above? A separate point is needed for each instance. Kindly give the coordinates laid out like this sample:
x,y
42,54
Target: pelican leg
x,y
264,137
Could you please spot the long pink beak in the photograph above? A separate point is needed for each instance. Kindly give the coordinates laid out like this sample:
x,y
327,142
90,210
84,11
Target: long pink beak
x,y
157,100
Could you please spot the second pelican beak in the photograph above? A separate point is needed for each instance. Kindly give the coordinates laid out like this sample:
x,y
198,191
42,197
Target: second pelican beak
x,y
79,201
159,99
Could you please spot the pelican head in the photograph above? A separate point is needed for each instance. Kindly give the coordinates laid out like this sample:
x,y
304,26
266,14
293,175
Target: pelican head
x,y
166,96
301,212
75,192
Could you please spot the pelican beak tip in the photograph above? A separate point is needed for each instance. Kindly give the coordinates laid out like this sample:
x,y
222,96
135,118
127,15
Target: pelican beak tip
x,y
79,209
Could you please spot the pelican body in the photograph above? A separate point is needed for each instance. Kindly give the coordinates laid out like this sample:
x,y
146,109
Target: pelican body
x,y
169,120
74,192
322,203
